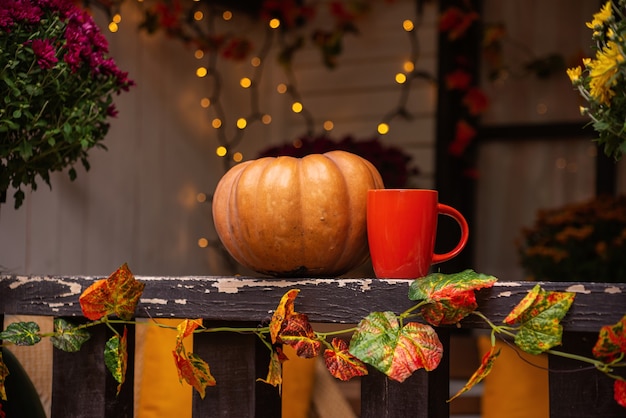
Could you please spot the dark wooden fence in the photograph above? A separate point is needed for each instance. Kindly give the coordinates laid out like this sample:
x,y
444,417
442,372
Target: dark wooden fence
x,y
82,387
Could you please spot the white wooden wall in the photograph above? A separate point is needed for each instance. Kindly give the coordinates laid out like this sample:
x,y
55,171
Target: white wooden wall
x,y
138,204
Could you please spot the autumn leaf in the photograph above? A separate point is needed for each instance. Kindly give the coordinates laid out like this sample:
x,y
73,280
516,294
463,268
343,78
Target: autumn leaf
x,y
394,350
4,372
449,297
22,333
275,369
116,295
67,337
341,363
185,329
283,311
611,341
194,371
539,314
298,333
619,392
116,357
483,370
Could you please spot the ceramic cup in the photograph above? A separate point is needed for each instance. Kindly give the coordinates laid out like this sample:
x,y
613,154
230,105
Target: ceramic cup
x,y
402,228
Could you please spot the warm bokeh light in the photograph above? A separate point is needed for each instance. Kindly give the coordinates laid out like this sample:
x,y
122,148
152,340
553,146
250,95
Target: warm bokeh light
x,y
255,61
216,123
281,88
227,15
242,123
221,151
201,197
199,54
205,102
266,119
113,27
408,66
383,128
237,157
274,23
328,125
117,18
198,15
400,78
201,72
297,143
296,107
245,82
203,243
408,25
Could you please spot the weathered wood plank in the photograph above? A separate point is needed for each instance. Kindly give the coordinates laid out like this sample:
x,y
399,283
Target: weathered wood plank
x,y
324,300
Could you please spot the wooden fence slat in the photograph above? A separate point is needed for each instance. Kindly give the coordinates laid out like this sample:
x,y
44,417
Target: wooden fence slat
x,y
236,362
82,386
576,389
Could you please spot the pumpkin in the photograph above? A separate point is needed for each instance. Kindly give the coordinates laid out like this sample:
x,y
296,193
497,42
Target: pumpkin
x,y
296,217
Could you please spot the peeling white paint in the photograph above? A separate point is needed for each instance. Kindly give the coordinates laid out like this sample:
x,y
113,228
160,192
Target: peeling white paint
x,y
74,287
507,284
56,305
612,290
233,285
506,294
578,288
154,301
180,301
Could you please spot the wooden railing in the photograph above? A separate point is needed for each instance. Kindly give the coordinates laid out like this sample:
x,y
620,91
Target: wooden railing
x,y
82,387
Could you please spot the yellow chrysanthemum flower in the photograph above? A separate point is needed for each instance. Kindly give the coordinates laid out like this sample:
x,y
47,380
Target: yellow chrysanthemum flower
x,y
574,74
602,72
601,17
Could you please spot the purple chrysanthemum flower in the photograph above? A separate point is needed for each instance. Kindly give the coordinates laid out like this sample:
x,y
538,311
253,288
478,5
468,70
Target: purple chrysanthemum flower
x,y
45,53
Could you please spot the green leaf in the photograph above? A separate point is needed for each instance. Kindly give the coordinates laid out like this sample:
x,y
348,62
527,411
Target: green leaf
x,y
22,333
68,337
539,315
396,350
449,297
116,357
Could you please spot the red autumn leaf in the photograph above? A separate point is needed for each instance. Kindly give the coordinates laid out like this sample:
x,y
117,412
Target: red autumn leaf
x,y
455,22
458,80
619,392
449,297
194,370
283,311
611,341
463,136
116,295
341,363
396,350
483,370
476,101
185,329
298,333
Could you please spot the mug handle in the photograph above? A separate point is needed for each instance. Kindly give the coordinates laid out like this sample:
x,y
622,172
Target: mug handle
x,y
458,217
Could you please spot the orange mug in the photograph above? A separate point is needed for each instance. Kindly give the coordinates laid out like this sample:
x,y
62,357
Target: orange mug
x,y
402,228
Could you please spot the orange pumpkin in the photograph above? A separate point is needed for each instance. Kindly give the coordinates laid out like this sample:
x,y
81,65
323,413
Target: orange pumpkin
x,y
296,217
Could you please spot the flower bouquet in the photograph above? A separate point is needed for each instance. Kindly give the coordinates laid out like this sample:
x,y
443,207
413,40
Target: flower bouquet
x,y
583,242
602,81
56,86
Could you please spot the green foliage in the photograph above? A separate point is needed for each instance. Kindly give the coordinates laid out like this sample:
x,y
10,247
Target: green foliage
x,y
57,85
22,333
68,337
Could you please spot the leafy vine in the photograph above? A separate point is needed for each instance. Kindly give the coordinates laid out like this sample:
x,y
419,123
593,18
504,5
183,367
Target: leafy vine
x,y
394,344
